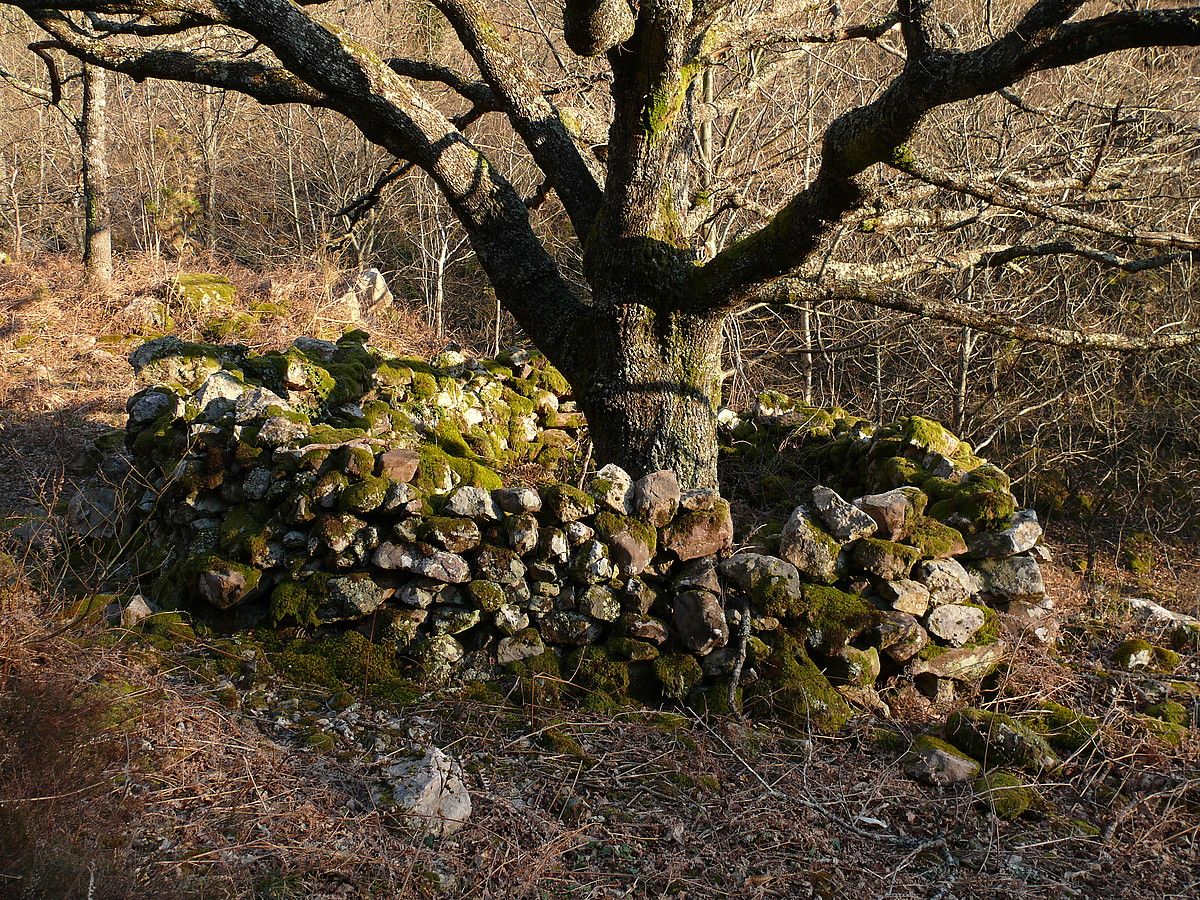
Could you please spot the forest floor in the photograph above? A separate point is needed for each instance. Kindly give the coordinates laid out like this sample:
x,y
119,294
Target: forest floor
x,y
132,767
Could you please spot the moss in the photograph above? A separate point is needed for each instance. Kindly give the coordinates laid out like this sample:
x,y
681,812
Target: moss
x,y
677,674
365,496
316,739
552,380
487,595
997,739
1006,794
1133,652
346,661
424,385
539,678
558,741
197,290
934,540
1067,731
795,690
713,698
294,603
972,507
894,472
595,669
928,435
834,617
609,524
169,626
1171,711
1170,733
1166,659
566,503
244,532
629,650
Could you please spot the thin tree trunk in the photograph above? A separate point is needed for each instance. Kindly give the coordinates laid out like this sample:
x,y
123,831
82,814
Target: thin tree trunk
x,y
93,133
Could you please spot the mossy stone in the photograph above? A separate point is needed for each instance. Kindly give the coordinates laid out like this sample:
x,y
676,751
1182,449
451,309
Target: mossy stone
x,y
677,674
1006,794
793,689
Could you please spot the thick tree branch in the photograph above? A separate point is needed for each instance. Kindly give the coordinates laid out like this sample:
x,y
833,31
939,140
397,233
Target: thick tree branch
x,y
877,132
533,116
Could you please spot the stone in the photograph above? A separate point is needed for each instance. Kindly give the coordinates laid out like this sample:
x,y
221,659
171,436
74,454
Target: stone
x,y
453,619
637,597
772,584
579,532
967,664
630,555
613,488
519,646
92,512
510,619
225,585
322,350
893,512
806,545
1010,578
256,402
955,624
938,763
886,559
430,792
590,563
351,597
570,628
599,603
906,596
567,504
698,499
455,535
699,621
439,656
277,431
221,388
645,628
901,636
522,531
700,533
417,595
518,500
845,521
136,611
947,580
147,406
499,565
435,564
698,574
1019,537
999,740
399,465
656,497
553,545
473,503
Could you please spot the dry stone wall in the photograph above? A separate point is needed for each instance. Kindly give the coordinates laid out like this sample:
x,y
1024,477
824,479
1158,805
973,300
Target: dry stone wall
x,y
330,486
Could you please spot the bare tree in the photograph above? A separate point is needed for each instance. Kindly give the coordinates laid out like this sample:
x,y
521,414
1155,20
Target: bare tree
x,y
90,124
638,329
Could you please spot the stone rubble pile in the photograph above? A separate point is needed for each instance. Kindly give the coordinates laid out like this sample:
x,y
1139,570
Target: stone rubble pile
x,y
331,486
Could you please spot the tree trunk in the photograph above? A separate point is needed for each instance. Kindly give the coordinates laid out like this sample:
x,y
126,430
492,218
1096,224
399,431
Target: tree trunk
x,y
649,382
93,135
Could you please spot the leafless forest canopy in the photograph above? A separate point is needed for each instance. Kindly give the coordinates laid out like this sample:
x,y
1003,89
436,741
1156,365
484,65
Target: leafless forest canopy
x,y
1022,204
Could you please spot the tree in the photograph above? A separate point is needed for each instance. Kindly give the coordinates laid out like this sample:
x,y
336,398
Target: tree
x,y
638,330
90,125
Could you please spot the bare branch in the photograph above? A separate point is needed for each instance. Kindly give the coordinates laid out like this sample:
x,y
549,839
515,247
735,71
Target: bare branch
x,y
954,313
